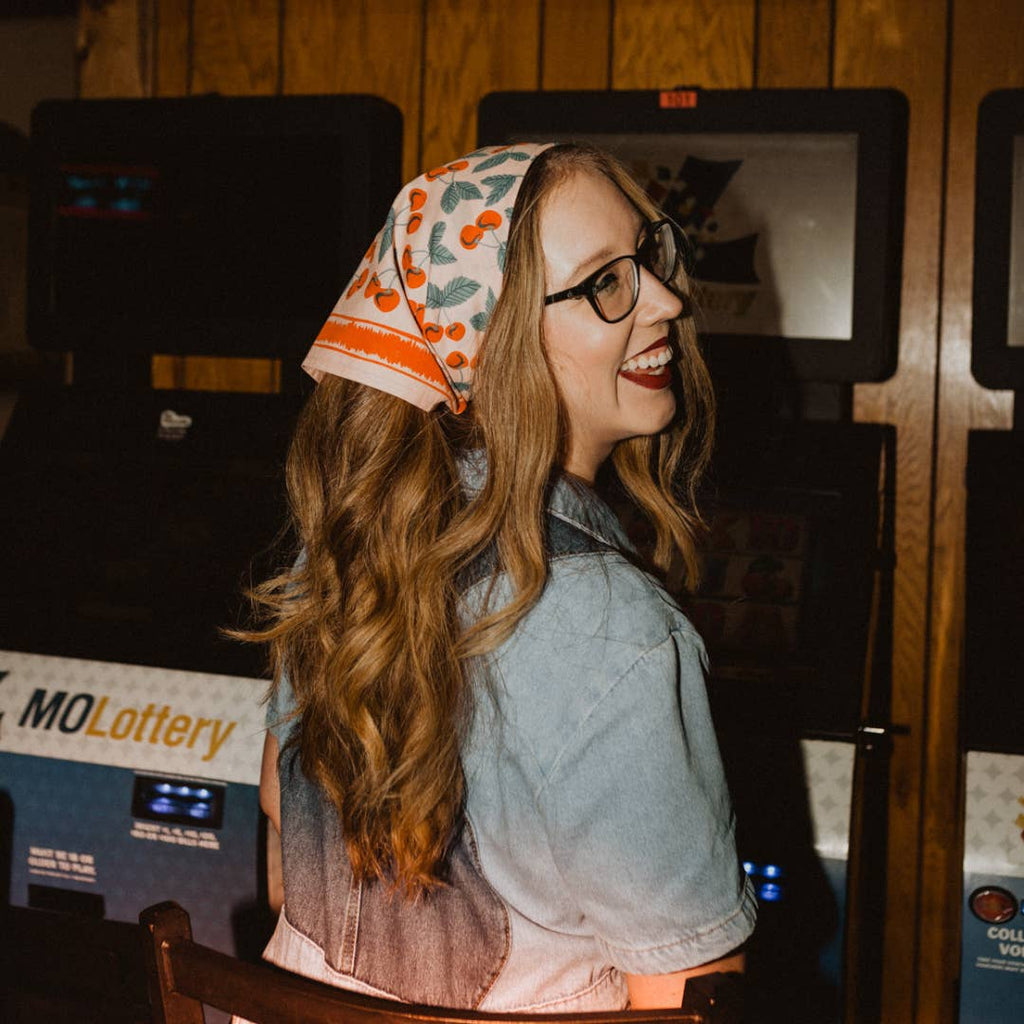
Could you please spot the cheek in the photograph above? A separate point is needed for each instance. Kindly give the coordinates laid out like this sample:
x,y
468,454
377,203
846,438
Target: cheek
x,y
589,356
588,380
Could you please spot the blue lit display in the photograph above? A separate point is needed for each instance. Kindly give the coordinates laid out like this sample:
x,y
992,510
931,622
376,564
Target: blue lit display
x,y
107,192
767,891
177,802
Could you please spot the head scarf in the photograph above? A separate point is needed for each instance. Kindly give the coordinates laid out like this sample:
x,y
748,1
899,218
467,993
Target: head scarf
x,y
411,320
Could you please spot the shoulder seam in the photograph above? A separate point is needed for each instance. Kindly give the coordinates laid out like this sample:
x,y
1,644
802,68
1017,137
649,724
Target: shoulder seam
x,y
689,634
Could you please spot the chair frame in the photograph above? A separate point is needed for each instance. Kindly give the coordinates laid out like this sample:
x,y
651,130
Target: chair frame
x,y
183,975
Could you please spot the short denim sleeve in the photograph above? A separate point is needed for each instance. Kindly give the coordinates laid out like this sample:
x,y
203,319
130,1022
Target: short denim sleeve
x,y
280,706
279,719
640,824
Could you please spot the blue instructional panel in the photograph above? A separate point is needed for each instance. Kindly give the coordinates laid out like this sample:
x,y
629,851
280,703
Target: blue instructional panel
x,y
992,952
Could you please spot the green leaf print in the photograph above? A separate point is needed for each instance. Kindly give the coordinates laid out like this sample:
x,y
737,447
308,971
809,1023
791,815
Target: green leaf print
x,y
479,321
388,232
456,192
500,186
457,291
492,161
439,254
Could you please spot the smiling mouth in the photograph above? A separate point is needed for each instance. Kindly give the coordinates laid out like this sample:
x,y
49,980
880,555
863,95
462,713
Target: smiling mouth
x,y
651,368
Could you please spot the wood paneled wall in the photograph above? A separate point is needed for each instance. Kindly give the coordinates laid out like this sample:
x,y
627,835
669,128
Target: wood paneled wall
x,y
435,58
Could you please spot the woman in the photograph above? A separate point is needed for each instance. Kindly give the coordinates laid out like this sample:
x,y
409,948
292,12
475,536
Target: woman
x,y
491,760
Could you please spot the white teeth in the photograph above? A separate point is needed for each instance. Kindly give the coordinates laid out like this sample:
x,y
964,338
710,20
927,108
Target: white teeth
x,y
648,361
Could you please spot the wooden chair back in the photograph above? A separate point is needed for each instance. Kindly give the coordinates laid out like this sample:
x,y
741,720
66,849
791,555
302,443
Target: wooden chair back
x,y
184,975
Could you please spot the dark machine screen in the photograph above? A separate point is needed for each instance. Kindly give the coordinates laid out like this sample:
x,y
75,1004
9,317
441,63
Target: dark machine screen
x,y
206,226
218,229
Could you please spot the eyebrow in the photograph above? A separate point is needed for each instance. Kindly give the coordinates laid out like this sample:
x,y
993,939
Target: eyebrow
x,y
594,261
599,258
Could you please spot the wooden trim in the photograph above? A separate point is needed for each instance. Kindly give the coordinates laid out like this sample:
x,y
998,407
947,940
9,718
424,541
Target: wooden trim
x,y
115,49
576,45
902,44
657,44
793,40
473,49
173,47
359,47
988,53
236,47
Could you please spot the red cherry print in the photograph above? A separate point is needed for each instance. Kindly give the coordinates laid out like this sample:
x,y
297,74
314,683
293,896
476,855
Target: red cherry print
x,y
357,283
470,235
489,219
386,300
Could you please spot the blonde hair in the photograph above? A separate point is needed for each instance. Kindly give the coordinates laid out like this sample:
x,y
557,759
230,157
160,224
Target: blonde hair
x,y
366,622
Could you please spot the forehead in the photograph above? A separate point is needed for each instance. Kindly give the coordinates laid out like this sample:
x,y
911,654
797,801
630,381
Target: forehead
x,y
584,222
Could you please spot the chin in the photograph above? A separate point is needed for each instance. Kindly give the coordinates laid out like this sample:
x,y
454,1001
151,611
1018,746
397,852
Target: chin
x,y
659,414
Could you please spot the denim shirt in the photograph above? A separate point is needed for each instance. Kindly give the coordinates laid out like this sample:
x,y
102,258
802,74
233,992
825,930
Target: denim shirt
x,y
598,835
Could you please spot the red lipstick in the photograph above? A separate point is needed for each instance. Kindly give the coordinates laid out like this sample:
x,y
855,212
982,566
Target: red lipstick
x,y
654,380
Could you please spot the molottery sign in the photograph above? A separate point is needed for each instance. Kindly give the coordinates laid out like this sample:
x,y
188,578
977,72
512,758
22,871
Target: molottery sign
x,y
73,712
131,716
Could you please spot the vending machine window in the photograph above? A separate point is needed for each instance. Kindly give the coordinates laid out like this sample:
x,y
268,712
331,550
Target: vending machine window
x,y
792,199
997,333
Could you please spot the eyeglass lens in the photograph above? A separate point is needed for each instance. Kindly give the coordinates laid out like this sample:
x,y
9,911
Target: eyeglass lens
x,y
658,252
615,291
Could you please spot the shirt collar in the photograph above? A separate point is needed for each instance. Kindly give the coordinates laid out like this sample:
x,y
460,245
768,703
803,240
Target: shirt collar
x,y
570,499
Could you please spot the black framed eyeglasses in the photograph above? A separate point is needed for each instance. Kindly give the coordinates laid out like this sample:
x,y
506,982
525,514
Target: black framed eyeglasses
x,y
613,289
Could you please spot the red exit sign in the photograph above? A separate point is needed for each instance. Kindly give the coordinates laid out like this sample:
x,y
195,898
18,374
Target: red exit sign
x,y
677,99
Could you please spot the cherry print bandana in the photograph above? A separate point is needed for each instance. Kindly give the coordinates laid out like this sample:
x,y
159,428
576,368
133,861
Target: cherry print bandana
x,y
411,320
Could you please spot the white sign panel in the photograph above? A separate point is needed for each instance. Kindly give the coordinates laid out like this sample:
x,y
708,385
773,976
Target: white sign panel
x,y
132,716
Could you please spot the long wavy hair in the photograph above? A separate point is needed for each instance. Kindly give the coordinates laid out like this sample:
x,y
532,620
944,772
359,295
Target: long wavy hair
x,y
366,620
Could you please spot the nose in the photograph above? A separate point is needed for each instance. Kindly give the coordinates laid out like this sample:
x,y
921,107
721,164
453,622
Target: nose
x,y
656,302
